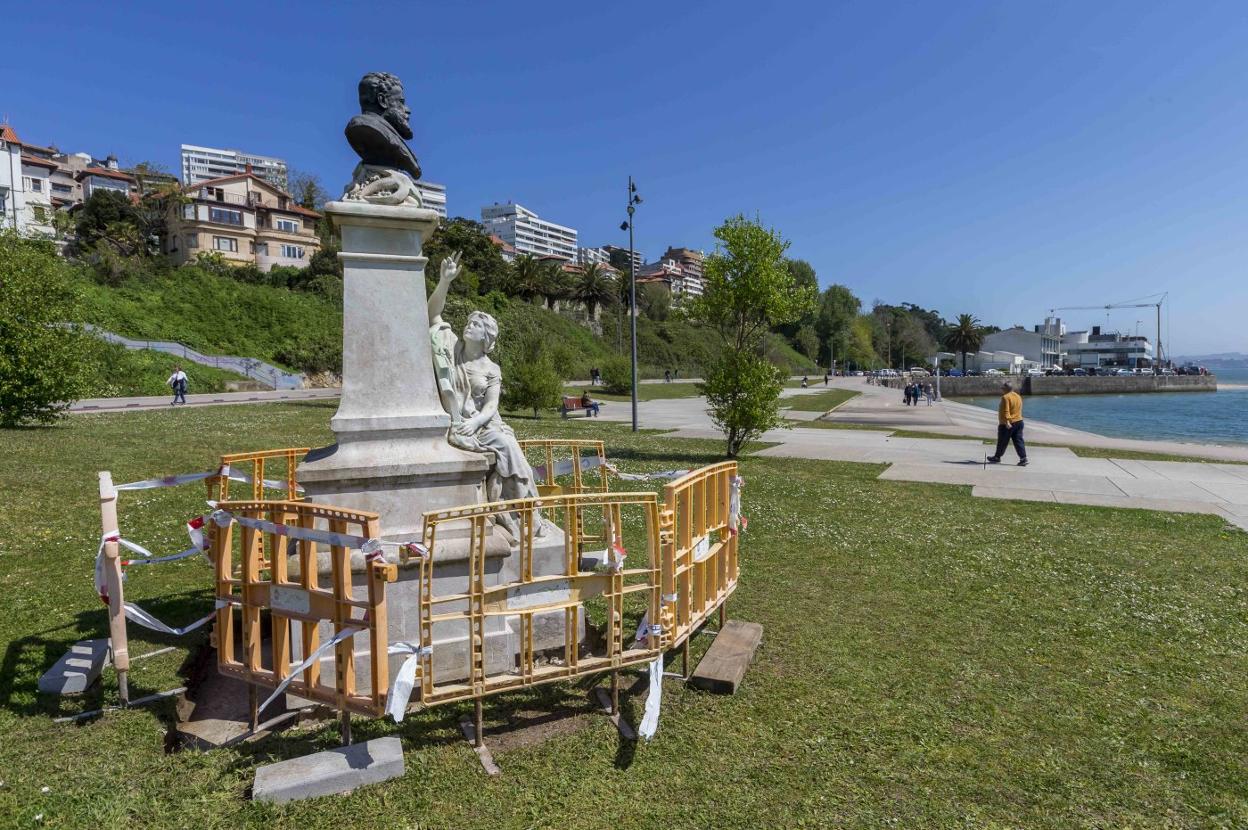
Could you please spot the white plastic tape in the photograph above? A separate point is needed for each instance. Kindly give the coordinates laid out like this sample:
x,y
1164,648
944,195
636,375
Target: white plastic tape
x,y
654,700
136,614
643,628
659,476
223,518
405,680
564,467
734,505
295,671
166,481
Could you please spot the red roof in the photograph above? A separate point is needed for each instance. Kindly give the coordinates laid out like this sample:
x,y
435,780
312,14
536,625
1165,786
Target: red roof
x,y
39,162
292,207
7,134
106,173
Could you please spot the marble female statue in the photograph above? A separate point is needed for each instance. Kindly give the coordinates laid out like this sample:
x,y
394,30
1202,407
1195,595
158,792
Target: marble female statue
x,y
469,384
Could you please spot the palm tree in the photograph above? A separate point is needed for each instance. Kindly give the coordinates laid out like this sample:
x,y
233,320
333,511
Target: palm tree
x,y
593,288
965,336
528,277
556,282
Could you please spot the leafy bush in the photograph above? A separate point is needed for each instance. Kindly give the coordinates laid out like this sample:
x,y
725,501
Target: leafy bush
x,y
532,383
617,375
41,359
743,396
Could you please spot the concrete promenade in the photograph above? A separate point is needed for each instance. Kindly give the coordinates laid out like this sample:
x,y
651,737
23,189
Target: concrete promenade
x,y
1054,474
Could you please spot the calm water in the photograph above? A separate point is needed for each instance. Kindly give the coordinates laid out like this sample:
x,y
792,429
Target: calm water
x,y
1206,417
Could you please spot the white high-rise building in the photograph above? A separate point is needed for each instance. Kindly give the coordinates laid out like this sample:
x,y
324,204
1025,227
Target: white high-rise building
x,y
585,256
433,195
200,164
528,233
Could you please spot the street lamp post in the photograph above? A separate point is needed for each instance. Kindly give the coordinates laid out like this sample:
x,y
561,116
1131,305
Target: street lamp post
x,y
633,201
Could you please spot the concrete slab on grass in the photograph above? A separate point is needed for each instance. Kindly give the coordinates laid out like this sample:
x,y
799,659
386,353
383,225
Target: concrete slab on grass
x,y
723,666
77,669
330,773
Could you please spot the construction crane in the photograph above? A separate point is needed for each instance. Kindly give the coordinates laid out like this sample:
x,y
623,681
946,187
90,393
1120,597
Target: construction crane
x,y
1129,304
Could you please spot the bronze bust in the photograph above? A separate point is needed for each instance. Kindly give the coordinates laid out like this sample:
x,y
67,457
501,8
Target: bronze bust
x,y
378,135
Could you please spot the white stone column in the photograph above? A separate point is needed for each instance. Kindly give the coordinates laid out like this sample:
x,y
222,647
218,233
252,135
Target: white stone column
x,y
391,454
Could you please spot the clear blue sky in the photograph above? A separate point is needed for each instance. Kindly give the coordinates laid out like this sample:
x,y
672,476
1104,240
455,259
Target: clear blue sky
x,y
993,158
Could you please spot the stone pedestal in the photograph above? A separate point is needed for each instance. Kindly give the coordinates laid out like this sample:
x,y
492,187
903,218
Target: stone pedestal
x,y
391,454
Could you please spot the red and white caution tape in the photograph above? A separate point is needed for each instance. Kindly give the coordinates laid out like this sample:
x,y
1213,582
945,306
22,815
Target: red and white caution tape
x,y
174,481
136,614
616,556
736,522
405,679
223,518
564,467
662,475
654,700
295,671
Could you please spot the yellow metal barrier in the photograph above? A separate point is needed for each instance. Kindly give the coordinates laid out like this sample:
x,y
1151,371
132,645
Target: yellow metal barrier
x,y
585,462
252,579
253,465
630,520
699,548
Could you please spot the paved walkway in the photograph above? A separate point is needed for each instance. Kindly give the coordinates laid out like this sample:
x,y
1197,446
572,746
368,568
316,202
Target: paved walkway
x,y
1054,474
209,399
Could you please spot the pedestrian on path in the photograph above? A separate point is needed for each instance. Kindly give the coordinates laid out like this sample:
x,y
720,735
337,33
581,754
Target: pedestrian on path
x,y
1010,425
177,381
667,375
928,393
825,378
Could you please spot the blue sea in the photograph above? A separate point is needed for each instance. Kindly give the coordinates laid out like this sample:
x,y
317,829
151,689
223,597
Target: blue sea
x,y
1203,417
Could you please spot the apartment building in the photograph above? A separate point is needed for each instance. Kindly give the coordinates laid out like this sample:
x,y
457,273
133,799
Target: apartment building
x,y
245,219
618,257
25,187
433,196
201,164
587,256
527,232
690,282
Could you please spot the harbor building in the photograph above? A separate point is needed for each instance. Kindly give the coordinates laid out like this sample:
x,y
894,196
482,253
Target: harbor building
x,y
245,219
1095,349
199,164
1041,345
527,232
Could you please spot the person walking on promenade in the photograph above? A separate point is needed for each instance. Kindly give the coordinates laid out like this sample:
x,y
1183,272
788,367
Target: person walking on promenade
x,y
1010,425
177,381
825,378
928,393
667,375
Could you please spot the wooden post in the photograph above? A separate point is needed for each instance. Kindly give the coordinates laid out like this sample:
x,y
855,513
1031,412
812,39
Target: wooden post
x,y
478,734
684,659
253,705
723,611
112,583
346,728
615,692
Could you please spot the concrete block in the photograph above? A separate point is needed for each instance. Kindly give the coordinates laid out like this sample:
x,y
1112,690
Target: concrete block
x,y
77,669
332,772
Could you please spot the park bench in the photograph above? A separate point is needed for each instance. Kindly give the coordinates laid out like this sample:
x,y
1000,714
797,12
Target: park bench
x,y
571,403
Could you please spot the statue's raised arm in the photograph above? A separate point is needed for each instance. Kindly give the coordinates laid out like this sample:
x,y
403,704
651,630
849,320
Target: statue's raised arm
x,y
447,274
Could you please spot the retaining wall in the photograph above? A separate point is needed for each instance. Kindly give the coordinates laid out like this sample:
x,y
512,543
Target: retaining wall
x,y
1071,385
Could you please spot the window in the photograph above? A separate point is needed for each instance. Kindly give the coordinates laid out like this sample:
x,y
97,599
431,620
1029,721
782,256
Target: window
x,y
36,185
262,248
61,188
288,225
188,211
4,201
225,216
225,243
40,215
192,241
292,252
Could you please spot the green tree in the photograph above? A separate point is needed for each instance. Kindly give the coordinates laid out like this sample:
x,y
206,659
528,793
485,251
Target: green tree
x,y
966,335
306,189
532,382
555,282
42,360
808,342
617,375
834,319
482,266
654,300
749,289
528,278
593,288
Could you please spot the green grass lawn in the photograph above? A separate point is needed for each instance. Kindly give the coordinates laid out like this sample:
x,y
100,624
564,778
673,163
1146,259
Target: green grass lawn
x,y
649,392
819,401
929,660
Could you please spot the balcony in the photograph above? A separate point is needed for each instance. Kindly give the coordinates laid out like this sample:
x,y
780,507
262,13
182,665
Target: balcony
x,y
221,198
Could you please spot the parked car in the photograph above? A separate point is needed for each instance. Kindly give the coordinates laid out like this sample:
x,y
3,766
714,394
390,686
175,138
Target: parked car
x,y
954,373
1123,372
1079,373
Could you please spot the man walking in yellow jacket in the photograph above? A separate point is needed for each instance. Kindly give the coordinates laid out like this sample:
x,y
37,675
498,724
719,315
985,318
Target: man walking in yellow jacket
x,y
1010,425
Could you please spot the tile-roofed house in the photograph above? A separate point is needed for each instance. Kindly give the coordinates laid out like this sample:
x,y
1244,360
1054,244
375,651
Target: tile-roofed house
x,y
244,218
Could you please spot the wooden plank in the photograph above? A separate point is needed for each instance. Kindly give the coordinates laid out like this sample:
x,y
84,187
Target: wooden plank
x,y
723,666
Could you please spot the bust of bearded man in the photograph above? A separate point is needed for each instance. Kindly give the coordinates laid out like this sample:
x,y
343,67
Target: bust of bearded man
x,y
378,135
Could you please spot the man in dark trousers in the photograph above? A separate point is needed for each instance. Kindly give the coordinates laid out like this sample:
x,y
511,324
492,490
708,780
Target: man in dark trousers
x,y
1010,425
